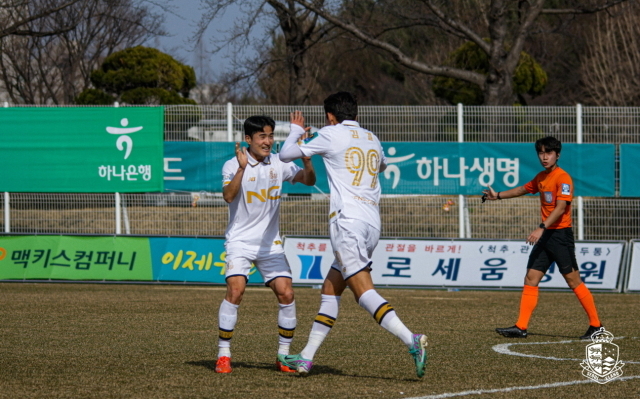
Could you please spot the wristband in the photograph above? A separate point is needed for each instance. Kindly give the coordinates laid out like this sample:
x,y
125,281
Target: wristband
x,y
542,226
499,196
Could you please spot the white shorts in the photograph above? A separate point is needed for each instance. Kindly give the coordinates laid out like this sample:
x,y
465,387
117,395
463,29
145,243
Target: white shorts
x,y
271,263
353,242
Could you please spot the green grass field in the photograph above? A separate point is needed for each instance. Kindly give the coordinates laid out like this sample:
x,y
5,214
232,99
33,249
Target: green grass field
x,y
160,341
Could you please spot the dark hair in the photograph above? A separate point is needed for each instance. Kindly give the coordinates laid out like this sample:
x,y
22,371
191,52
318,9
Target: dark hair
x,y
549,143
254,124
343,105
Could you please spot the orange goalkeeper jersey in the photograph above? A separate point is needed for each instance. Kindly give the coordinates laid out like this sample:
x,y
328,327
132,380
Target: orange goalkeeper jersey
x,y
553,186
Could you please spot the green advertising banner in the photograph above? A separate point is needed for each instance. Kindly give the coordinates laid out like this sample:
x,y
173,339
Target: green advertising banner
x,y
75,258
89,149
418,168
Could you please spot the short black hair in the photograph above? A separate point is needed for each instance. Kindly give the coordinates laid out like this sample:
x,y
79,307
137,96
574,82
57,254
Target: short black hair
x,y
343,105
549,143
256,123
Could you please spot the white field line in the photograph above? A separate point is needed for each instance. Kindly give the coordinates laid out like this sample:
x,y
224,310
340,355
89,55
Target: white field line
x,y
521,388
504,349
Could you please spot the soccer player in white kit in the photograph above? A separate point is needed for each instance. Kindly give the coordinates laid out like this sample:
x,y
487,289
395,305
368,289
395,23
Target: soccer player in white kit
x,y
252,183
353,158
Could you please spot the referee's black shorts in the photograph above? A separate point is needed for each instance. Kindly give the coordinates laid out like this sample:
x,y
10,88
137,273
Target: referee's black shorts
x,y
555,245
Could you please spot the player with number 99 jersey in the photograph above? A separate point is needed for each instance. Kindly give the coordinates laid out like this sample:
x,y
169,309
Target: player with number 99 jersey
x,y
352,157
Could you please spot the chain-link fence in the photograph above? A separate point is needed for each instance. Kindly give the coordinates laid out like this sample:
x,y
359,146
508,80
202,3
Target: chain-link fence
x,y
205,214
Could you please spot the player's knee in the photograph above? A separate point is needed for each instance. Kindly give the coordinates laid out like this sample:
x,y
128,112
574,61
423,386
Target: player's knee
x,y
285,297
234,295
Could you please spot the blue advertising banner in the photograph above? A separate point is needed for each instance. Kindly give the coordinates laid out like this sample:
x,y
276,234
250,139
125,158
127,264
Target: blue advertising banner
x,y
191,260
629,170
197,166
418,168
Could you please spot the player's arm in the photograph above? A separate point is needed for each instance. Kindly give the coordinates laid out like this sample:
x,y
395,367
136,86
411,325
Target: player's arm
x,y
383,163
290,149
491,195
557,212
307,175
231,190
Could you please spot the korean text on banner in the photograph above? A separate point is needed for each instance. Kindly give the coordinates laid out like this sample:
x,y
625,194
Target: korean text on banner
x,y
192,260
75,258
89,149
443,263
418,168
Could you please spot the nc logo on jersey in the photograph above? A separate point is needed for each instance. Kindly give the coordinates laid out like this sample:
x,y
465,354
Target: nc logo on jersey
x,y
602,364
263,195
310,267
548,197
566,189
272,174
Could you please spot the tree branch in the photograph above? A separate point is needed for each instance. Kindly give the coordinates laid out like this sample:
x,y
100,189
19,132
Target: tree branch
x,y
398,55
582,10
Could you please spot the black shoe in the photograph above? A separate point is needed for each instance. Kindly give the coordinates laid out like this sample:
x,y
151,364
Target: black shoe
x,y
512,332
590,332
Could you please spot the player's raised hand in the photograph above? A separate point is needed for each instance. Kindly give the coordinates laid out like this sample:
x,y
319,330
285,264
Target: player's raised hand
x,y
241,154
296,118
489,194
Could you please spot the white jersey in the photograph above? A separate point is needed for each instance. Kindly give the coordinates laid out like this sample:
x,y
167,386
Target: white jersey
x,y
352,156
254,214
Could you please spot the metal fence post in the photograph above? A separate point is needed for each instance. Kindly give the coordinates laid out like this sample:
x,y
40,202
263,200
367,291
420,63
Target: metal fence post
x,y
118,220
7,213
229,122
580,200
461,200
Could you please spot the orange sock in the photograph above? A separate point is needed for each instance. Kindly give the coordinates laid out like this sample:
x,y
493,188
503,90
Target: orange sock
x,y
528,303
589,305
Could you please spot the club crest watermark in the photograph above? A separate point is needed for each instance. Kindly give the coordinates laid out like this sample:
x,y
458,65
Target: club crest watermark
x,y
602,363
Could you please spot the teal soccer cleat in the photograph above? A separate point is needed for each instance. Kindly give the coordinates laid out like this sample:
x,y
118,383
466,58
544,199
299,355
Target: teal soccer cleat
x,y
419,352
296,362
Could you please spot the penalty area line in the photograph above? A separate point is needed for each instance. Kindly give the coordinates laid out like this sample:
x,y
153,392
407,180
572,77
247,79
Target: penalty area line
x,y
521,388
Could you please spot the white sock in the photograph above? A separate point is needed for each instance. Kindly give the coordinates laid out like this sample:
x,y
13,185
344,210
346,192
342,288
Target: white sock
x,y
286,327
327,315
227,317
384,314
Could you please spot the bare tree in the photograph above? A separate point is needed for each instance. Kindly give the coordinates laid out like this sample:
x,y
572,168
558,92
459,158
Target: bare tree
x,y
55,68
507,24
611,70
297,26
17,17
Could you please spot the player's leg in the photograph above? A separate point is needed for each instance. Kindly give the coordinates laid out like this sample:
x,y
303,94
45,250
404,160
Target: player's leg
x,y
332,290
237,267
274,268
357,243
227,318
287,319
564,253
539,262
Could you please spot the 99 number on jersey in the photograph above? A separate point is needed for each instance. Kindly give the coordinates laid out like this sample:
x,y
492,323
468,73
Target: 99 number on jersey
x,y
357,163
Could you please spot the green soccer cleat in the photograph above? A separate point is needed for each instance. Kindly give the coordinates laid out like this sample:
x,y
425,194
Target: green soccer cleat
x,y
296,362
419,352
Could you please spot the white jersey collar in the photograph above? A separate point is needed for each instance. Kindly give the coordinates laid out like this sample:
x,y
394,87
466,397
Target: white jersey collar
x,y
350,123
252,161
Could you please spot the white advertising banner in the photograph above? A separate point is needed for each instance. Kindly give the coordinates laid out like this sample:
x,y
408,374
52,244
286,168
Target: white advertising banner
x,y
456,263
633,283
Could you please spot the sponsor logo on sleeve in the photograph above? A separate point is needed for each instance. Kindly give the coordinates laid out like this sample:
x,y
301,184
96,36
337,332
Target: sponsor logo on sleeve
x,y
566,189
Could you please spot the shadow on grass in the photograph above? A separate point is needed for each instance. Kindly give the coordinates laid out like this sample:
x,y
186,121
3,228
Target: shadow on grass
x,y
317,370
